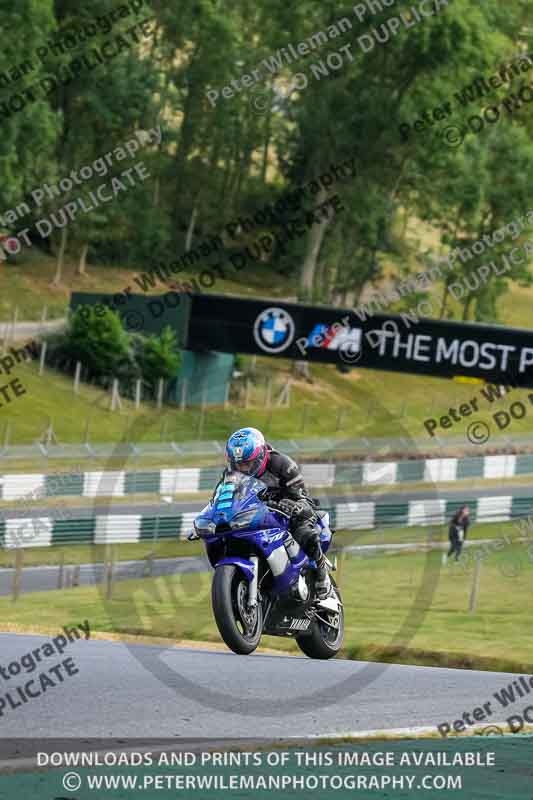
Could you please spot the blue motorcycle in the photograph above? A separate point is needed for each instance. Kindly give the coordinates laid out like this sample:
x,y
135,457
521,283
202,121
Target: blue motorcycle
x,y
263,581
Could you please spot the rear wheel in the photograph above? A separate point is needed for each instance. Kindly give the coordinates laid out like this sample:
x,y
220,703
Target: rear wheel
x,y
240,627
326,634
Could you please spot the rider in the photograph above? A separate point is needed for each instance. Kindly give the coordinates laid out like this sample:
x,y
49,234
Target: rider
x,y
247,452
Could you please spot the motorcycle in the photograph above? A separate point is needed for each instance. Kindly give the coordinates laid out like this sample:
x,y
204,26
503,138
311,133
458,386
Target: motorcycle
x,y
263,582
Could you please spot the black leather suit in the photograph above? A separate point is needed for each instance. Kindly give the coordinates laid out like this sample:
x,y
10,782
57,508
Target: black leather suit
x,y
289,495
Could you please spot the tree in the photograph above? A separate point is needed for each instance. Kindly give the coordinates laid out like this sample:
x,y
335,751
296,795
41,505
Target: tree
x,y
159,357
98,340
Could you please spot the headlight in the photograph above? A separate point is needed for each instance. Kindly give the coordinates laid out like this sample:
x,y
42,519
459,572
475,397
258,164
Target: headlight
x,y
244,518
204,527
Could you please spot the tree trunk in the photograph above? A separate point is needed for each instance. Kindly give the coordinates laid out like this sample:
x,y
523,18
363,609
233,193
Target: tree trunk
x,y
190,230
60,257
314,243
318,294
266,145
445,296
466,307
191,111
83,259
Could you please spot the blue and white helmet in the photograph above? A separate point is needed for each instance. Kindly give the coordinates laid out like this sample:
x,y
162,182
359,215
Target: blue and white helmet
x,y
246,452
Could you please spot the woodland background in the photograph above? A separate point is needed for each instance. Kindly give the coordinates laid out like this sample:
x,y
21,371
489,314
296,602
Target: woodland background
x,y
214,164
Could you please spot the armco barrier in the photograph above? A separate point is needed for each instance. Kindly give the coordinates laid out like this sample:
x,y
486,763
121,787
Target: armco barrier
x,y
127,528
364,447
196,479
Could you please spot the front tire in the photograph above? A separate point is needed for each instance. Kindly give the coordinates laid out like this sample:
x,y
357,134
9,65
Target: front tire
x,y
240,629
323,642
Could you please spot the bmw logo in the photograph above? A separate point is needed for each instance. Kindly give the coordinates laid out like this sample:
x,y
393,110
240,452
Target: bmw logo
x,y
274,330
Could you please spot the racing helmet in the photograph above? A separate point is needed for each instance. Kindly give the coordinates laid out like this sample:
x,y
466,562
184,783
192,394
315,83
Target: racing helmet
x,y
246,452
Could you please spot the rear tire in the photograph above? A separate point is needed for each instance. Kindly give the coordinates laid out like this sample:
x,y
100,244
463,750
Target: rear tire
x,y
240,629
322,642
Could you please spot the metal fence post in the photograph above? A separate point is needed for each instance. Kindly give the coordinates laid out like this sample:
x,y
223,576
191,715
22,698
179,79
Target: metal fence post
x,y
42,360
115,396
184,387
160,386
44,314
475,587
202,413
61,573
17,577
7,431
109,564
87,423
148,570
77,378
268,401
14,323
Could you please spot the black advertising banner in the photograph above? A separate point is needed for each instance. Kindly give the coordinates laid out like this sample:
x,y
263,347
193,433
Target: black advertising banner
x,y
401,343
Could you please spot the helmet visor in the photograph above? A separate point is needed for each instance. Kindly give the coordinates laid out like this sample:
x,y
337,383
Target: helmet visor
x,y
250,467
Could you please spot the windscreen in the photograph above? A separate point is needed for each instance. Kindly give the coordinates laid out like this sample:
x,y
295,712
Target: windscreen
x,y
238,486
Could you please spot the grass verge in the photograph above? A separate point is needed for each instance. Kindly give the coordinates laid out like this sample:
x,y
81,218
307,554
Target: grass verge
x,y
405,608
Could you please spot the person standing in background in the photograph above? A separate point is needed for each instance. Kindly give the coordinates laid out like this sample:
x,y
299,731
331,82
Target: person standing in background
x,y
459,524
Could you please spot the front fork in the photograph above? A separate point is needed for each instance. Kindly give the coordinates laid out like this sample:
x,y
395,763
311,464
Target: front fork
x,y
252,588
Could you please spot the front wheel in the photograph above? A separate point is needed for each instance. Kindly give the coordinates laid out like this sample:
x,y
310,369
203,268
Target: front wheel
x,y
239,626
326,634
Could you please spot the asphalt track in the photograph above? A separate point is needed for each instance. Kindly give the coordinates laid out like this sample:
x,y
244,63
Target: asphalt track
x,y
168,509
147,691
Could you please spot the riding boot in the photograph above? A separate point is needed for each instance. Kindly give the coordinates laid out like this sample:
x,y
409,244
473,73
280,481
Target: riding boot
x,y
309,539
